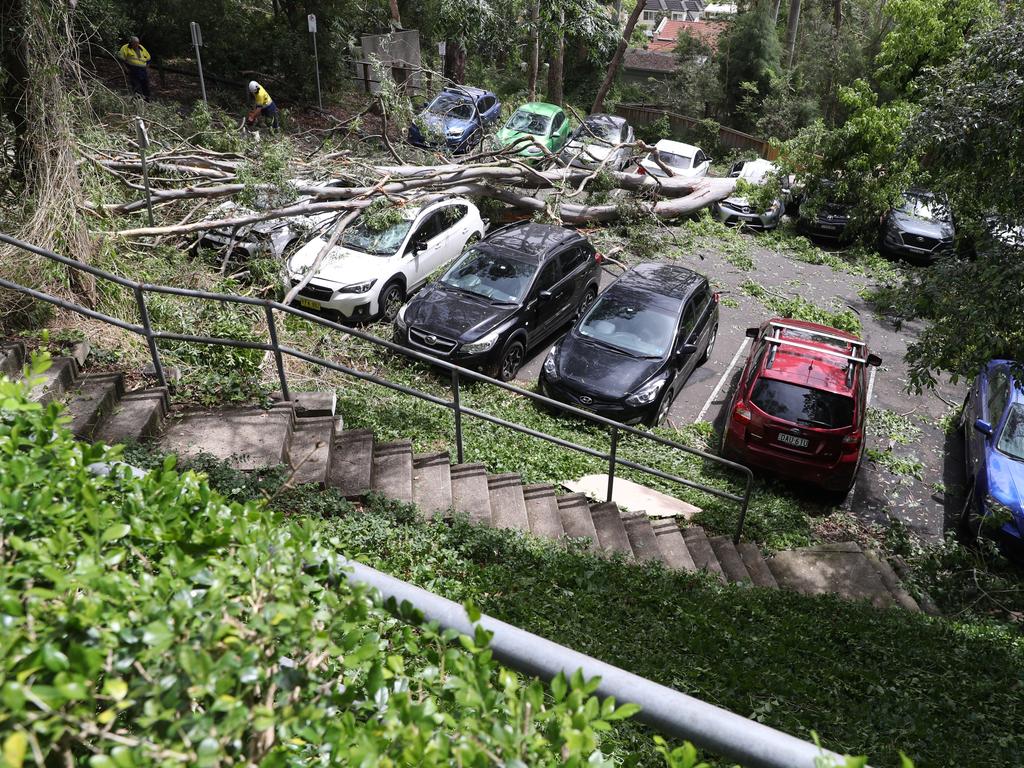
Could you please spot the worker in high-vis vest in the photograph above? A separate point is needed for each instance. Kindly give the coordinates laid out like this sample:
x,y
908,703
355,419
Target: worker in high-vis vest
x,y
262,105
136,57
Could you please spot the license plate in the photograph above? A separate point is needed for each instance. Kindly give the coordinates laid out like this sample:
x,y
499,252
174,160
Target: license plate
x,y
309,303
830,227
797,442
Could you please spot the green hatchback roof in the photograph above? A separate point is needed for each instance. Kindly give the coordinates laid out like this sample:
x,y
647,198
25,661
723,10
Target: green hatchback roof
x,y
541,108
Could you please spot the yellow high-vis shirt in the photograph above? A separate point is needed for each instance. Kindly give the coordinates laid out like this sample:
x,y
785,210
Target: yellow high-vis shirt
x,y
262,97
134,58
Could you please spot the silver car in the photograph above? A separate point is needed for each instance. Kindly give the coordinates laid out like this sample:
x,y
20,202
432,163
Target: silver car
x,y
737,209
597,141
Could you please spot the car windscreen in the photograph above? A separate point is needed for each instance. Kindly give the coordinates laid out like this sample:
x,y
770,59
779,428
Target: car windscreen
x,y
379,242
529,122
673,160
1011,439
924,207
606,132
450,105
631,322
493,275
802,405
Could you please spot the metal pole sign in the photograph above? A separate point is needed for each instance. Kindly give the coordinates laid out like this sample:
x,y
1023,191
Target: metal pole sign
x,y
142,138
311,19
197,41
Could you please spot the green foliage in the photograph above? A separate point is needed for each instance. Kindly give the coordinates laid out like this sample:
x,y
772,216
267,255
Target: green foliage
x,y
855,260
801,309
654,131
749,52
150,620
906,466
381,214
895,428
265,178
213,129
705,232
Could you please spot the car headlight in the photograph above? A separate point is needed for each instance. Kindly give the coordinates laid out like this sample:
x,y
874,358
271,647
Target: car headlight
x,y
358,287
454,133
550,367
481,345
400,318
648,393
998,513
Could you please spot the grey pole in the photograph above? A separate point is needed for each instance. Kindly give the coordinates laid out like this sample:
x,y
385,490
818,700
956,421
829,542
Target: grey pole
x,y
197,41
675,714
311,20
143,141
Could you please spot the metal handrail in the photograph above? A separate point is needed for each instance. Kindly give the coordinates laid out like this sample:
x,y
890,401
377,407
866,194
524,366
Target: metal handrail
x,y
458,373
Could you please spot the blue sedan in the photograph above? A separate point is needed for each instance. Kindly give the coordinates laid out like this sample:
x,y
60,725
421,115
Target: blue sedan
x,y
457,119
993,424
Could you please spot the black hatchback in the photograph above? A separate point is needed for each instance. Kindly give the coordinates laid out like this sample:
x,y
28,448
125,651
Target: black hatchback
x,y
504,296
629,356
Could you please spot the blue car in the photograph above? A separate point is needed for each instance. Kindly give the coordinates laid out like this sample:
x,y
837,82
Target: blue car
x,y
993,424
456,119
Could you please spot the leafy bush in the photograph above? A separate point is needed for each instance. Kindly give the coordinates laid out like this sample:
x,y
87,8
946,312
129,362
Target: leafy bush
x,y
148,620
801,309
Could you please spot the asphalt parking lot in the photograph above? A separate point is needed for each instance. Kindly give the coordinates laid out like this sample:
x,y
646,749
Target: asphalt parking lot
x,y
922,490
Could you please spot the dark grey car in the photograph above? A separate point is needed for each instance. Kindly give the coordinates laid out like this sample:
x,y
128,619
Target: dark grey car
x,y
920,229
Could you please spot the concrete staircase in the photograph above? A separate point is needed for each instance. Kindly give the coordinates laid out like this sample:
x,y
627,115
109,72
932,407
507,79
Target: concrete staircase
x,y
305,435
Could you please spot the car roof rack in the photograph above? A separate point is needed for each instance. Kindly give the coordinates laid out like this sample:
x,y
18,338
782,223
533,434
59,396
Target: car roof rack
x,y
823,334
821,351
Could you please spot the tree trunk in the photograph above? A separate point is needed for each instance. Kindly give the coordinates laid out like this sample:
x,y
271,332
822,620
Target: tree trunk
x,y
620,50
555,71
837,15
775,12
15,61
454,61
791,30
534,49
396,18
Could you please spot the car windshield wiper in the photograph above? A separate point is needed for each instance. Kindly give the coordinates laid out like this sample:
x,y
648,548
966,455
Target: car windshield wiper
x,y
815,423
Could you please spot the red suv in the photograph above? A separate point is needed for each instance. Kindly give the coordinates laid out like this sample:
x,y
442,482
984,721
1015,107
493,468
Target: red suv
x,y
800,405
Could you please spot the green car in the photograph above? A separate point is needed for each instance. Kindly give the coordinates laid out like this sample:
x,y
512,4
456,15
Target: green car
x,y
546,123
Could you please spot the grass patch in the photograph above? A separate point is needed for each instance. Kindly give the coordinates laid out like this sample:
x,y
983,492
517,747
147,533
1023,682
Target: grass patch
x,y
799,308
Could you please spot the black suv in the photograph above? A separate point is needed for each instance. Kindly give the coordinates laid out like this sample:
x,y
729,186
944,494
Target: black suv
x,y
505,295
629,356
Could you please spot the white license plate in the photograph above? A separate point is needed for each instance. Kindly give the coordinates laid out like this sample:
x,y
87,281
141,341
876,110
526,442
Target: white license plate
x,y
309,303
830,227
797,442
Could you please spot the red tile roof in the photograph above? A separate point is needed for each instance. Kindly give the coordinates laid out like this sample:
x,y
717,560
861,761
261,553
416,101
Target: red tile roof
x,y
665,39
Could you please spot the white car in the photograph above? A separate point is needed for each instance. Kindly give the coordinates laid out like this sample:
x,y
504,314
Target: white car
x,y
370,272
736,209
684,160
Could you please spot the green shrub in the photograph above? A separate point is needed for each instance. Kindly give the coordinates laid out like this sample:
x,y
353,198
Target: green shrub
x,y
149,621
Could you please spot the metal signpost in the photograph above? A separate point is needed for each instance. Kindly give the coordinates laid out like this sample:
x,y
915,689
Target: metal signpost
x,y
311,19
143,141
197,41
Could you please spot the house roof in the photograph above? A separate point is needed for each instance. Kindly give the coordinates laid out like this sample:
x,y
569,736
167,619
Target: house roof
x,y
667,34
640,60
677,6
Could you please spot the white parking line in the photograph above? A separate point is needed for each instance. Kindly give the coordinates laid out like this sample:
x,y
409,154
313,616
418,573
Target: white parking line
x,y
871,382
721,381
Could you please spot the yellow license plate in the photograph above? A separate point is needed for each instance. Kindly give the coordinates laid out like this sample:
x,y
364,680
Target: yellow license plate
x,y
309,303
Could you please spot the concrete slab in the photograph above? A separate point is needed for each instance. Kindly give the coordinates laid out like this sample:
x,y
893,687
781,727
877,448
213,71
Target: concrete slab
x,y
819,570
632,496
246,438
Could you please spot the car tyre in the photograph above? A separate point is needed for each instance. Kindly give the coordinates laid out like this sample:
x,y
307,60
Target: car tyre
x,y
711,345
511,360
664,406
391,300
585,302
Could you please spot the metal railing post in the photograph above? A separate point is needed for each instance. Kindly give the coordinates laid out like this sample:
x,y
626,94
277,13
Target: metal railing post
x,y
158,368
743,509
272,327
457,407
611,461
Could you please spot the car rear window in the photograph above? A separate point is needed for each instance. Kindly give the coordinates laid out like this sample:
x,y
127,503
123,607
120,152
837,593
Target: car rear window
x,y
802,405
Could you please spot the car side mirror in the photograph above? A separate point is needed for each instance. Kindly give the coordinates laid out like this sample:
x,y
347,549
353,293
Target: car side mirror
x,y
752,332
687,349
984,427
874,360
544,295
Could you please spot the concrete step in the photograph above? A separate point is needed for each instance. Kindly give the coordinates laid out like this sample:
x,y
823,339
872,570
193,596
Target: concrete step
x,y
892,582
641,537
352,463
432,484
729,557
309,454
470,494
704,557
58,379
611,533
92,400
136,416
12,359
839,568
392,470
245,438
673,548
508,506
758,569
542,511
574,512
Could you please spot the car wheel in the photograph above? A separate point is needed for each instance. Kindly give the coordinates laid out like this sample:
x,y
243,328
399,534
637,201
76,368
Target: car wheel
x,y
585,302
511,360
391,300
663,408
711,345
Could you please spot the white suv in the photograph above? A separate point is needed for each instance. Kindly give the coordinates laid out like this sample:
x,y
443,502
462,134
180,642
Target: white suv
x,y
370,272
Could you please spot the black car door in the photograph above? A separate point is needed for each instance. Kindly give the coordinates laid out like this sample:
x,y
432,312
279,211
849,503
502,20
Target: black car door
x,y
545,300
683,364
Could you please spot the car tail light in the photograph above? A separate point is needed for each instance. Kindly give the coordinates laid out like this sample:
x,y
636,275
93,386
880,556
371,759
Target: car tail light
x,y
640,169
741,412
851,442
715,296
597,257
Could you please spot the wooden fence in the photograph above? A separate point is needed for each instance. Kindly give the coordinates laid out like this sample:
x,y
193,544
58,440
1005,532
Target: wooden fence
x,y
643,114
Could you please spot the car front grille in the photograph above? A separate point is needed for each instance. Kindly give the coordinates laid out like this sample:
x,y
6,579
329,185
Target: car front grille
x,y
920,241
432,342
315,292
